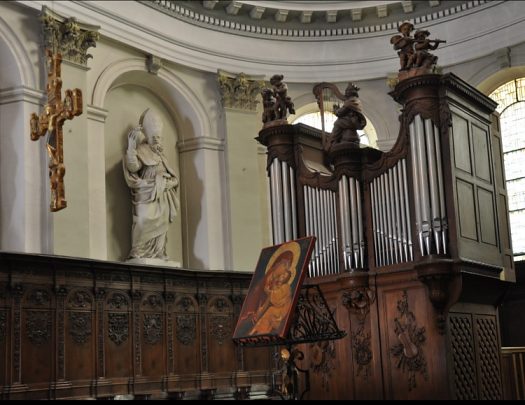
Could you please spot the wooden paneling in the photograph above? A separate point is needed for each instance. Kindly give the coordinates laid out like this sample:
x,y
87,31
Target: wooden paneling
x,y
108,329
4,322
460,135
475,352
475,192
481,153
487,212
466,210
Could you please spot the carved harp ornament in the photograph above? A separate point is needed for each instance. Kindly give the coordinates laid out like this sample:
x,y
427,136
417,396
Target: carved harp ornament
x,y
327,96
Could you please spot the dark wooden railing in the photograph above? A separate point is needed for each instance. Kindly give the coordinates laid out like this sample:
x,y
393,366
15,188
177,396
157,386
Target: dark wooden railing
x,y
513,368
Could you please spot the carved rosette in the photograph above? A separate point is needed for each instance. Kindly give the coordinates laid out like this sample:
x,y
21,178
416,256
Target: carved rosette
x,y
220,328
68,37
39,297
80,299
38,327
118,330
152,301
118,301
357,302
237,91
80,326
152,328
409,350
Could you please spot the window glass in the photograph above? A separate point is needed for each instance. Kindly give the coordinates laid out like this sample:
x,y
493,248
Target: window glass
x,y
511,106
366,136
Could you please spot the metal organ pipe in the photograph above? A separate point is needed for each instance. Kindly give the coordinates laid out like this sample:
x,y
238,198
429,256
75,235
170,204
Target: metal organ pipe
x,y
407,209
279,200
382,227
392,208
388,218
374,224
401,210
293,202
353,221
423,183
360,226
326,245
286,202
333,224
441,190
415,179
273,198
346,223
432,177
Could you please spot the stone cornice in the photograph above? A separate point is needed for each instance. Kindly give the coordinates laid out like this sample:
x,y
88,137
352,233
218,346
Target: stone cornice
x,y
192,12
203,142
97,114
23,94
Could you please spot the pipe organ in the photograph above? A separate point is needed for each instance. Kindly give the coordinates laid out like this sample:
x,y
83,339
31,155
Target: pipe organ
x,y
415,239
368,209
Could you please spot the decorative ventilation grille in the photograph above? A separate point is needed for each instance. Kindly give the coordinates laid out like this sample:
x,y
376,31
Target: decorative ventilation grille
x,y
475,355
465,383
489,365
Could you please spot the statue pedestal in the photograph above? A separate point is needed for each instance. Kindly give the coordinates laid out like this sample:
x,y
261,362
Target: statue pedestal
x,y
154,262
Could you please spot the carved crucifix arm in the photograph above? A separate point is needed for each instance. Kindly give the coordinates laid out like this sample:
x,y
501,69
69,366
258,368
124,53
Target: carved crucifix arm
x,y
51,122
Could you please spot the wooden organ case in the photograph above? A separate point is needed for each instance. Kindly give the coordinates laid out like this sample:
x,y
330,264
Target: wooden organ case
x,y
413,251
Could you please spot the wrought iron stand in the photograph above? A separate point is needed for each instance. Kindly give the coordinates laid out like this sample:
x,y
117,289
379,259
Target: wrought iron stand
x,y
313,322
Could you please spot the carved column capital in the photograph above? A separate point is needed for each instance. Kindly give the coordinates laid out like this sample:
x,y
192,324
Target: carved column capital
x,y
238,91
67,36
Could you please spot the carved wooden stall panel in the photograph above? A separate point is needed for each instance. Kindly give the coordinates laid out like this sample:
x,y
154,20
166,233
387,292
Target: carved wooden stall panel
x,y
87,329
79,339
38,330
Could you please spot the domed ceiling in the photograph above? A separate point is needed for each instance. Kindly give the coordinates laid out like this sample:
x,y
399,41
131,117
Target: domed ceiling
x,y
307,41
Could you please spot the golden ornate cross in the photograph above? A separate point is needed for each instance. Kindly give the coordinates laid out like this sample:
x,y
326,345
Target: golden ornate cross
x,y
51,121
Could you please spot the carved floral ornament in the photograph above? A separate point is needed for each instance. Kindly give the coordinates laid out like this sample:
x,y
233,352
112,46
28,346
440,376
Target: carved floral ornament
x,y
220,328
358,301
80,326
68,37
118,330
409,350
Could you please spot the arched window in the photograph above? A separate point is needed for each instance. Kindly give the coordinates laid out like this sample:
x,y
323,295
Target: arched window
x,y
511,106
367,136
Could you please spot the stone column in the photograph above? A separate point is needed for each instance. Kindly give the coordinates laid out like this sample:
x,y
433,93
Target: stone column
x,y
247,222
